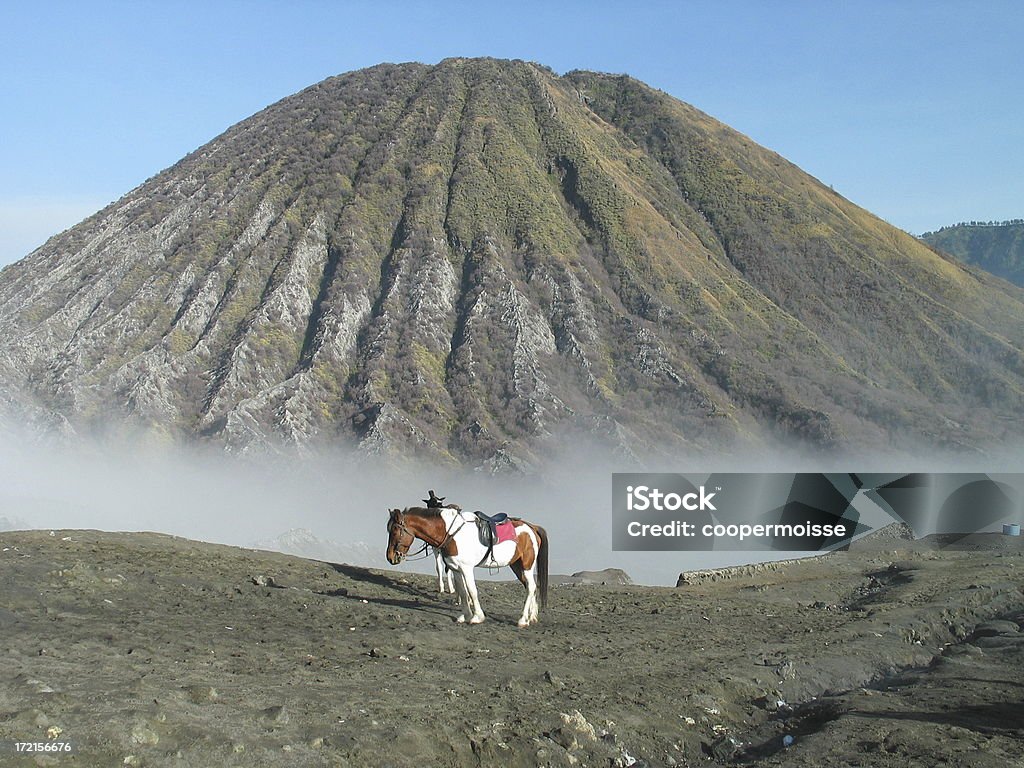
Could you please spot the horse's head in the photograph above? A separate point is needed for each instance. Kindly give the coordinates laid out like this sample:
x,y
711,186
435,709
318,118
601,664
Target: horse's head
x,y
400,538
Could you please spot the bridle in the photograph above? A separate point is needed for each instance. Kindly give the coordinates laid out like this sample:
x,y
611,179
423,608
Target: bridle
x,y
399,522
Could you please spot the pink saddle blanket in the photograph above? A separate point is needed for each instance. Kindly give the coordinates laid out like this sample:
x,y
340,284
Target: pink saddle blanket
x,y
506,531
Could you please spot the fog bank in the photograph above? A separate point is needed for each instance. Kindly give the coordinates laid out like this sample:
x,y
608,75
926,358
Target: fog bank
x,y
203,493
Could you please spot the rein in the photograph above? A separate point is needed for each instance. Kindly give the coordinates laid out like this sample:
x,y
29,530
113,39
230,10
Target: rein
x,y
412,557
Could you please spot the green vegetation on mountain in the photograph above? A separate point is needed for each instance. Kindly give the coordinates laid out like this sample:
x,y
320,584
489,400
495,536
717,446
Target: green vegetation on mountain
x,y
464,260
996,247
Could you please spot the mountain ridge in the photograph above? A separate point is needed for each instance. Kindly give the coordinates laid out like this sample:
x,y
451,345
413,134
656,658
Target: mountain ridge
x,y
996,247
467,259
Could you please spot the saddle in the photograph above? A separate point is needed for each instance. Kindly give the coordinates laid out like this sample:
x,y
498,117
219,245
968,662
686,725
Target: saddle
x,y
493,529
488,526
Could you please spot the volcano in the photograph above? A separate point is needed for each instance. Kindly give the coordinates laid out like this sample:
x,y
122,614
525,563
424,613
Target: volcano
x,y
468,260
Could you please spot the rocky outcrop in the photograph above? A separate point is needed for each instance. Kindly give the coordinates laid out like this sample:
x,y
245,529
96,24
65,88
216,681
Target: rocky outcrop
x,y
605,577
728,573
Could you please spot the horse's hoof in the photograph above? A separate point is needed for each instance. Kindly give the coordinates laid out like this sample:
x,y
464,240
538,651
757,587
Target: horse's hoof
x,y
522,624
461,619
477,620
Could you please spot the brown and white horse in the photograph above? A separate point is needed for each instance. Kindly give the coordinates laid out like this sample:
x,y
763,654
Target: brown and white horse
x,y
455,533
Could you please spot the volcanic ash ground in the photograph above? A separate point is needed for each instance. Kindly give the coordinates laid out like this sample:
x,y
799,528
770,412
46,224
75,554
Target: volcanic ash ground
x,y
149,650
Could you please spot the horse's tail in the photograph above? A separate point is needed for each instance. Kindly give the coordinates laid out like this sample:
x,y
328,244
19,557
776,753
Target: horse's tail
x,y
542,565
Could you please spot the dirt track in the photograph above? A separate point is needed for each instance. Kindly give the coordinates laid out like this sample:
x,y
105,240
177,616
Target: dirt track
x,y
150,650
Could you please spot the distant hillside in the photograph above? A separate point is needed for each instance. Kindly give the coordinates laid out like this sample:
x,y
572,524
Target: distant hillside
x,y
302,542
995,247
9,523
472,260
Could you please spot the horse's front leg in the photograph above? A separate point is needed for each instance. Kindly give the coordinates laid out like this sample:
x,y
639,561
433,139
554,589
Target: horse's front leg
x,y
474,597
464,603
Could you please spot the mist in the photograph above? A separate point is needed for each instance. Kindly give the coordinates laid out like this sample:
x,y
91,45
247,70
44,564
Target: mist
x,y
340,496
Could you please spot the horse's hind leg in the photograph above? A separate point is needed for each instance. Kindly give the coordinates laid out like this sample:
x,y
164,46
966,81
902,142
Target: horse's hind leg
x,y
525,568
529,609
517,569
532,600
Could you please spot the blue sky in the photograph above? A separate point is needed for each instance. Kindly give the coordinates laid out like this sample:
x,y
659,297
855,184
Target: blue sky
x,y
913,110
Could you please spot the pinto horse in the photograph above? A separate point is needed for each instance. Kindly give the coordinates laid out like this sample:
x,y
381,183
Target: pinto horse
x,y
455,534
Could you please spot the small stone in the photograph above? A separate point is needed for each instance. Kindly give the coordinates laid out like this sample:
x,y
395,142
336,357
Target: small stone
x,y
276,714
564,738
201,694
39,686
553,680
724,749
144,736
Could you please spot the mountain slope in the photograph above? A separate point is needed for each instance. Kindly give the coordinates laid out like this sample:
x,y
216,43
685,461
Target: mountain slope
x,y
996,248
462,260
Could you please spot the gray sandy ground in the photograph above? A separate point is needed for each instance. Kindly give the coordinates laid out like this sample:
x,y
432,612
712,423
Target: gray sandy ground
x,y
150,650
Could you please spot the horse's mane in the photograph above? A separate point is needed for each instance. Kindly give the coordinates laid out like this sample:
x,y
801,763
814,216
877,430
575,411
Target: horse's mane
x,y
423,511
